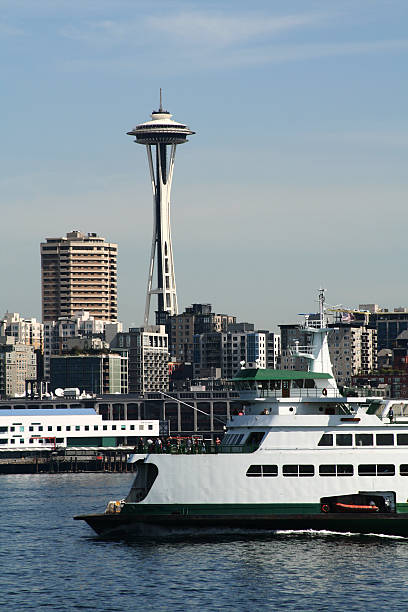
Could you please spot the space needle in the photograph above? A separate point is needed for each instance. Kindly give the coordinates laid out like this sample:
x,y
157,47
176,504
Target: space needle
x,y
161,134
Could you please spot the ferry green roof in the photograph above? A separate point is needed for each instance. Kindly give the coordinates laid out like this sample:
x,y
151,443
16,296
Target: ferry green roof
x,y
267,374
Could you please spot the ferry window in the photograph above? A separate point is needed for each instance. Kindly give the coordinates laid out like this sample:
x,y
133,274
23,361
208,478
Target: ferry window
x,y
31,428
77,427
3,429
254,439
376,470
3,441
21,441
306,470
59,428
269,470
262,470
150,427
59,440
384,439
344,439
132,427
113,427
326,440
386,469
345,470
40,428
14,429
123,426
254,470
402,439
68,428
86,427
12,441
310,383
31,441
404,469
327,470
104,427
367,470
49,427
364,439
95,427
298,470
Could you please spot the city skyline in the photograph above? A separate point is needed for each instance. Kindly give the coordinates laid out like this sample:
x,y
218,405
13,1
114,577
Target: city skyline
x,y
296,178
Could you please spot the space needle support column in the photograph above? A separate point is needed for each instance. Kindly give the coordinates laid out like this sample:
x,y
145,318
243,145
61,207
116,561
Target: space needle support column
x,y
164,134
153,249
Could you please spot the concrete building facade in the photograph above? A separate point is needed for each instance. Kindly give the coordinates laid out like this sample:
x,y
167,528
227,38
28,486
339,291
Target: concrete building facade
x,y
148,364
27,331
18,363
79,272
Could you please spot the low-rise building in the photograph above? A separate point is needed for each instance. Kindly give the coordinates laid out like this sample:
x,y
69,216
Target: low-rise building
x,y
93,374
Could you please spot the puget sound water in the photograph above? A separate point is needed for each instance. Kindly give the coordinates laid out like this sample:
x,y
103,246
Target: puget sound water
x,y
50,562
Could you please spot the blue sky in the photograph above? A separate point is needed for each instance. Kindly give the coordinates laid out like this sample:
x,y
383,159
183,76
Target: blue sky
x,y
295,178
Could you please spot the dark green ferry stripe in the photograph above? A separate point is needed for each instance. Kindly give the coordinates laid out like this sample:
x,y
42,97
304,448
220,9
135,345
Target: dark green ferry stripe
x,y
223,509
229,509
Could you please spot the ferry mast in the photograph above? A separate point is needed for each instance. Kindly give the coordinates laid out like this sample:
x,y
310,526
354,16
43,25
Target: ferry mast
x,y
161,135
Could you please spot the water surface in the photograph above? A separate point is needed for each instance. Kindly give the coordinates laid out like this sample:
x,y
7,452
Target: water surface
x,y
49,561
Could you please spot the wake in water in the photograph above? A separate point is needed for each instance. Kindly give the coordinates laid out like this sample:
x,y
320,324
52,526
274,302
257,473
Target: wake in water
x,y
157,532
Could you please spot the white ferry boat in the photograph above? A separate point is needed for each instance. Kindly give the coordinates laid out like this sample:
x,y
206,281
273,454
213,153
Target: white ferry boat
x,y
33,429
298,456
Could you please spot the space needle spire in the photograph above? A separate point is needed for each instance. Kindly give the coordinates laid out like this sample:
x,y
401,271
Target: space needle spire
x,y
161,135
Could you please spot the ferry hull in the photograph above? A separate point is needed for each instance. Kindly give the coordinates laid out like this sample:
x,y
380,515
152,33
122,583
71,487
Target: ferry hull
x,y
126,524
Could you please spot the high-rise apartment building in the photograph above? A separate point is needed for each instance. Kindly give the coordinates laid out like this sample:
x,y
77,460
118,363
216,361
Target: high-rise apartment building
x,y
78,272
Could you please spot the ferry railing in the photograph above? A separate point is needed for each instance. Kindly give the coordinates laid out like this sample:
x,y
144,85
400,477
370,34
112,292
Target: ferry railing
x,y
295,393
200,449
